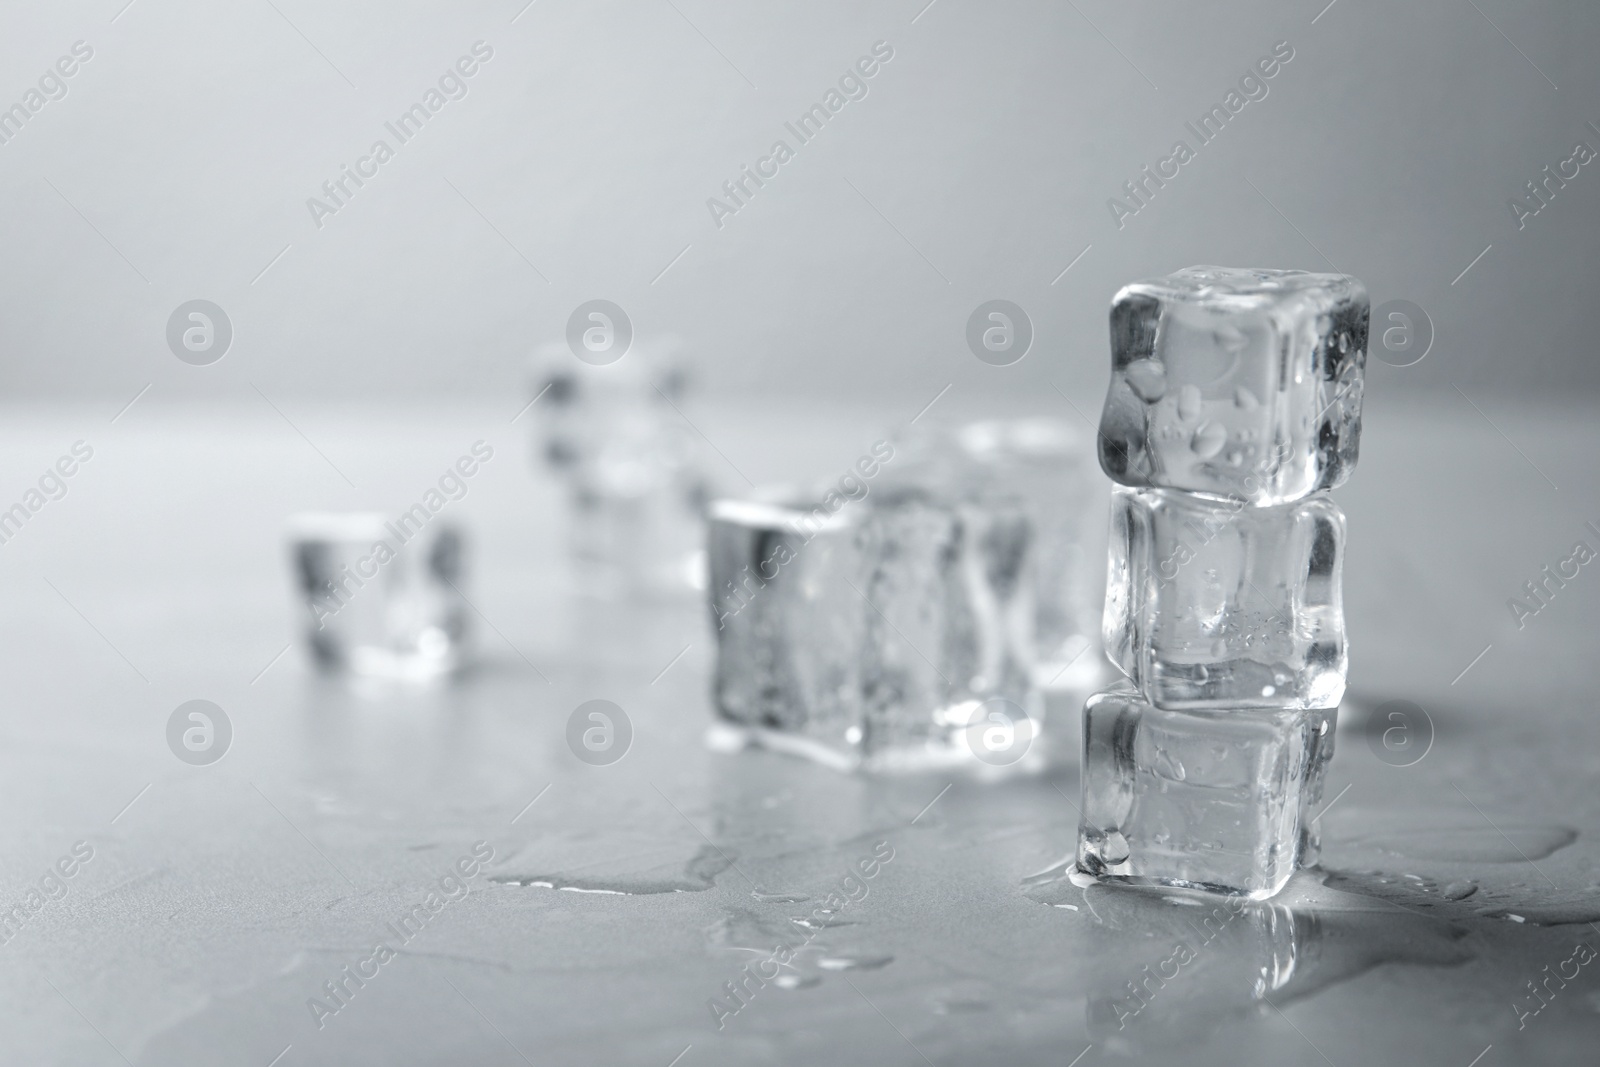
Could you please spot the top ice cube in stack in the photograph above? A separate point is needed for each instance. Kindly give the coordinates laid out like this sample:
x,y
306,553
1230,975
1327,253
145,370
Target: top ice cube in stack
x,y
1236,383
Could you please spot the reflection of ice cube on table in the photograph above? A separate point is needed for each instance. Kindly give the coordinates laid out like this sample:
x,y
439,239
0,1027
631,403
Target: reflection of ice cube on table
x,y
1207,800
1212,604
1240,383
873,634
380,598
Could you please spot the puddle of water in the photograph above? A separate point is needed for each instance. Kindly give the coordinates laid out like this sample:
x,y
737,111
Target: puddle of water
x,y
1510,844
854,963
699,874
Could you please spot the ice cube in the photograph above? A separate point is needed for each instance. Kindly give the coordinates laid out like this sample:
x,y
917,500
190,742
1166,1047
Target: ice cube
x,y
1236,382
949,625
632,467
887,631
381,597
1213,604
1043,464
1220,801
790,623
1041,467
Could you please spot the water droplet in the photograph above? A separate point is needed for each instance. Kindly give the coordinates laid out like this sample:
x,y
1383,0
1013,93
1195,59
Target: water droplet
x,y
1245,400
1460,890
1189,403
1114,849
1208,440
1169,766
778,898
1147,378
854,963
796,981
1515,844
699,874
957,1005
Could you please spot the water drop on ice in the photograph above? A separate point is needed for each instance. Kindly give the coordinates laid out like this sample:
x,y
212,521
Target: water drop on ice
x,y
1208,440
1148,379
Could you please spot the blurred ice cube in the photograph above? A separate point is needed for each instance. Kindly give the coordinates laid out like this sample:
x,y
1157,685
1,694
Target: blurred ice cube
x,y
1041,468
616,437
789,623
380,597
880,631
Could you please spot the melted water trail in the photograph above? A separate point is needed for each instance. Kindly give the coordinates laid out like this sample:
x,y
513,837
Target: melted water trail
x,y
699,874
764,897
854,963
1565,914
1511,844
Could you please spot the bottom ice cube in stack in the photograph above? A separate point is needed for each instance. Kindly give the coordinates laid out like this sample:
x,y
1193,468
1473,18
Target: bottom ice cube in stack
x,y
1217,800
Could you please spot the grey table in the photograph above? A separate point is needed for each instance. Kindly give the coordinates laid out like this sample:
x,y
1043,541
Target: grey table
x,y
219,900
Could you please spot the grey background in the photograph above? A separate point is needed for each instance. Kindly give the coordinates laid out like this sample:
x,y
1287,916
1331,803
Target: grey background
x,y
979,166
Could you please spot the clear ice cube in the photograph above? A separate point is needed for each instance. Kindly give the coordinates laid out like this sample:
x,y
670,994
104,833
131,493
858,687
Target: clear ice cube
x,y
881,633
1213,604
631,465
789,623
381,597
949,625
1235,382
1041,467
1220,801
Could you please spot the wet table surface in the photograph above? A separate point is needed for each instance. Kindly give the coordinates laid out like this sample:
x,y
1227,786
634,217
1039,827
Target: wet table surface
x,y
217,902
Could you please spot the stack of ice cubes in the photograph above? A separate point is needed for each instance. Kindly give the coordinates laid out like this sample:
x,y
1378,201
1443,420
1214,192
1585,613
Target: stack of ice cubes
x,y
1234,406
